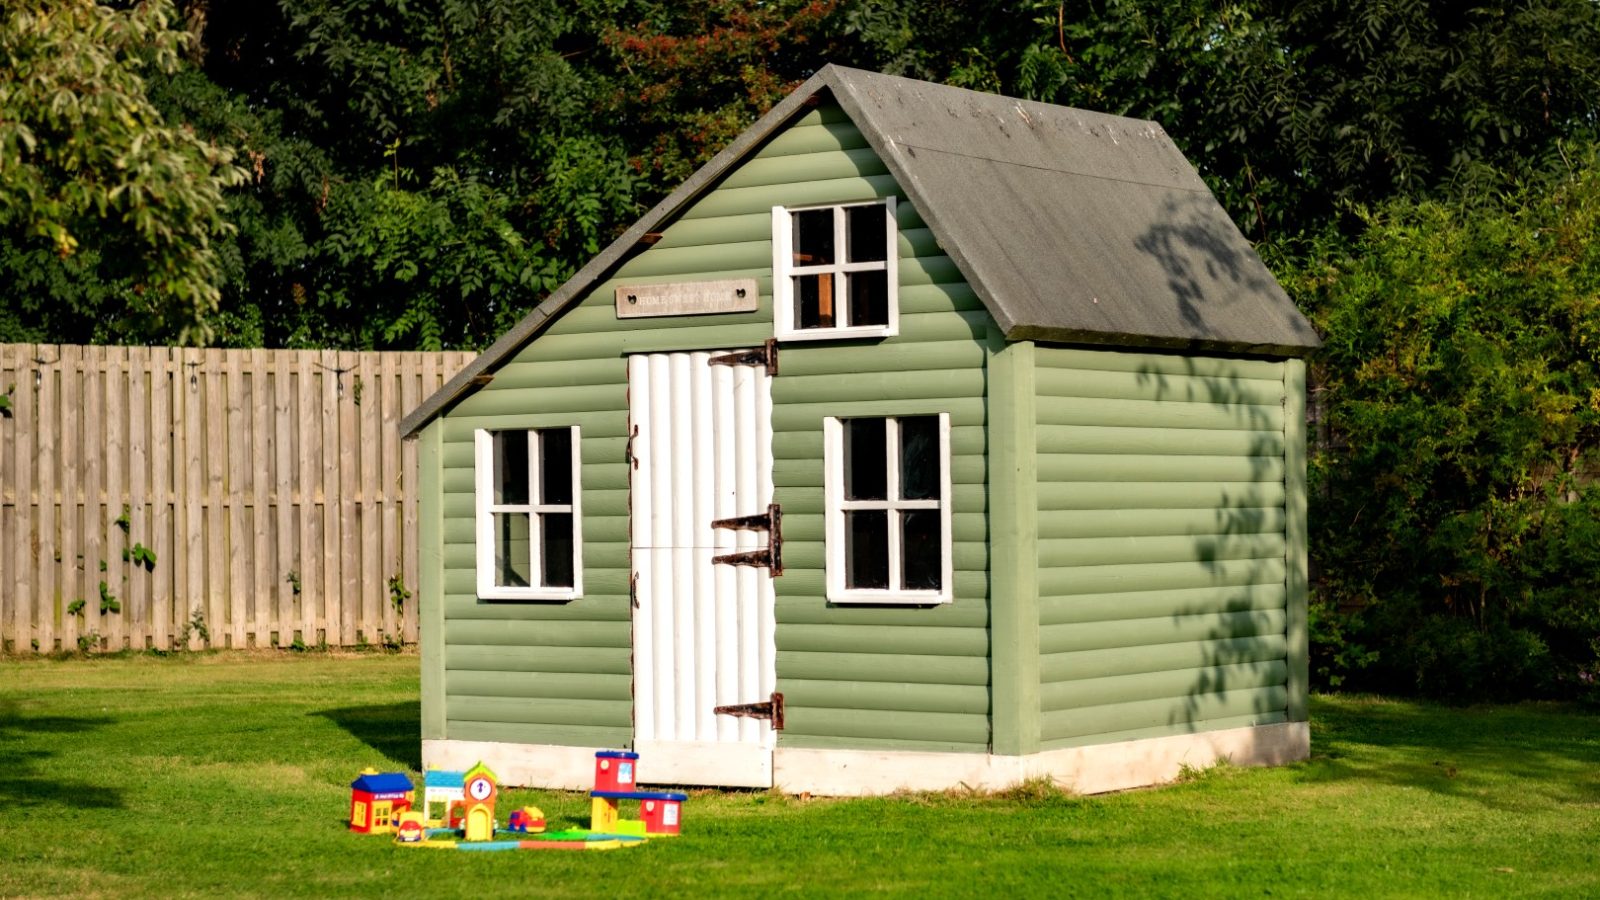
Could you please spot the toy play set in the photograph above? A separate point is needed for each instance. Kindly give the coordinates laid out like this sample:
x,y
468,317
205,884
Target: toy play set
x,y
382,803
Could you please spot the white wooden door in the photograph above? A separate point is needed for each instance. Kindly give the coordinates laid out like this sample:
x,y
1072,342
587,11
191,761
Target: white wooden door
x,y
703,631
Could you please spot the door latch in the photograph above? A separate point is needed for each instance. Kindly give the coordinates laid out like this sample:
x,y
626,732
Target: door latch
x,y
765,356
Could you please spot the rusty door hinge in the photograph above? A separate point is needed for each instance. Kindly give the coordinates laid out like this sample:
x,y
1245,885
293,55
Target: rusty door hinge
x,y
771,710
770,556
766,356
770,521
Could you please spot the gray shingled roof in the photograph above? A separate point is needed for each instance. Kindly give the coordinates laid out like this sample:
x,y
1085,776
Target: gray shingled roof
x,y
1072,226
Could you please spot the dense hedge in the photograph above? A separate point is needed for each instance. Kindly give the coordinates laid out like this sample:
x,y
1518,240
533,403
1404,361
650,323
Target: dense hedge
x,y
1455,513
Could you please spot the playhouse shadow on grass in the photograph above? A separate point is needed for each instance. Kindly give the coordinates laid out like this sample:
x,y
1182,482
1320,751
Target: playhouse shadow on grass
x,y
391,729
1461,755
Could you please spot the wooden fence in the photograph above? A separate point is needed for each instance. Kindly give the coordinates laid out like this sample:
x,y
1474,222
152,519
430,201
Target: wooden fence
x,y
168,497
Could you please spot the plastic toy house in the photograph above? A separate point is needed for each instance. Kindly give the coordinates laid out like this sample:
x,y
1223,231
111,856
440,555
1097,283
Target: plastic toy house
x,y
441,789
481,787
924,437
377,801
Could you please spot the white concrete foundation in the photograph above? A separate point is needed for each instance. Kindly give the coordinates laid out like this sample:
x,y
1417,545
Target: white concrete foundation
x,y
852,773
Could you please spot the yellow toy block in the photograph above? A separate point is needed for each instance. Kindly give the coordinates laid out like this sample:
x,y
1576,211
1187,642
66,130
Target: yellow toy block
x,y
603,815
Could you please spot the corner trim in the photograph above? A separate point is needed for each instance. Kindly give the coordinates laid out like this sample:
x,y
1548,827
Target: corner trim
x,y
1013,547
1296,564
430,584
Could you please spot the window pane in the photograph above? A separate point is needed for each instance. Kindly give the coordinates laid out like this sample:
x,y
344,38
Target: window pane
x,y
555,465
866,464
865,232
556,554
866,549
510,467
813,301
813,237
512,563
919,457
919,557
869,297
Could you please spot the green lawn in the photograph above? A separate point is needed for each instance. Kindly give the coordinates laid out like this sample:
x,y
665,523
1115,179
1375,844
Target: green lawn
x,y
227,775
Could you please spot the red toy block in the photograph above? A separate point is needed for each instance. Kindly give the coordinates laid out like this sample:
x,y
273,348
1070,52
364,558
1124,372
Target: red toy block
x,y
615,770
662,817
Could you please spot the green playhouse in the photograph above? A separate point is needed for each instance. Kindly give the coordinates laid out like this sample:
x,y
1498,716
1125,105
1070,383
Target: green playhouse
x,y
924,437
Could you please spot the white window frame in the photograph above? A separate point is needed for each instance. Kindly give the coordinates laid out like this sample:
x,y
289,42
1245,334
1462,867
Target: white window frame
x,y
784,270
837,506
483,446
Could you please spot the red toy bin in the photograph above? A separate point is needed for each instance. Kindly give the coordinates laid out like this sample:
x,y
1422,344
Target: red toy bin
x,y
615,770
662,815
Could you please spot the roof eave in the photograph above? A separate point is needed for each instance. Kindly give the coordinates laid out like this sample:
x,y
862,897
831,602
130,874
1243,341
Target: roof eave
x,y
464,381
1136,342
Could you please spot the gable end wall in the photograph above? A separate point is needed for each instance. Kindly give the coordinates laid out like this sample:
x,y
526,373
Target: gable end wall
x,y
560,673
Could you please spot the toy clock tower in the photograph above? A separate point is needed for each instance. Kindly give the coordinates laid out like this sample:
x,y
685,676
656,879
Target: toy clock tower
x,y
480,787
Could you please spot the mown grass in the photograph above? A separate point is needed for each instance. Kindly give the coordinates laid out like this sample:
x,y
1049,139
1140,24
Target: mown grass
x,y
227,775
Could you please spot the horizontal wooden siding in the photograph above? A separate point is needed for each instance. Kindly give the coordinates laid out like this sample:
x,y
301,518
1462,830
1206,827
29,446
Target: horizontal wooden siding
x,y
1161,545
561,673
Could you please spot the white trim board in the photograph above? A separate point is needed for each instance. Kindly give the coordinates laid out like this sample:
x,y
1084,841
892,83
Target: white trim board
x,y
1093,769
856,773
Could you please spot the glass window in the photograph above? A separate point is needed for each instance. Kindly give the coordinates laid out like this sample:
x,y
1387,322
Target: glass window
x,y
888,525
528,498
834,271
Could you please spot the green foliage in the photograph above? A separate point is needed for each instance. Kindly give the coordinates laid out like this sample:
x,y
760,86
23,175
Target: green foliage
x,y
195,628
688,77
108,601
422,174
140,555
108,208
1456,514
398,593
75,608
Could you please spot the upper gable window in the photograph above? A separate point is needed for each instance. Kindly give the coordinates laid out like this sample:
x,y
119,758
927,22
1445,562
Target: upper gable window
x,y
529,529
834,271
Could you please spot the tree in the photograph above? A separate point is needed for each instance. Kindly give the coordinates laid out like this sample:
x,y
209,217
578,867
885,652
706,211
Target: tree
x,y
1293,111
110,214
681,80
1456,520
422,173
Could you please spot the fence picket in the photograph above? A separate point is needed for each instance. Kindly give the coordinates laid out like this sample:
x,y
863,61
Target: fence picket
x,y
162,578
136,396
231,498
